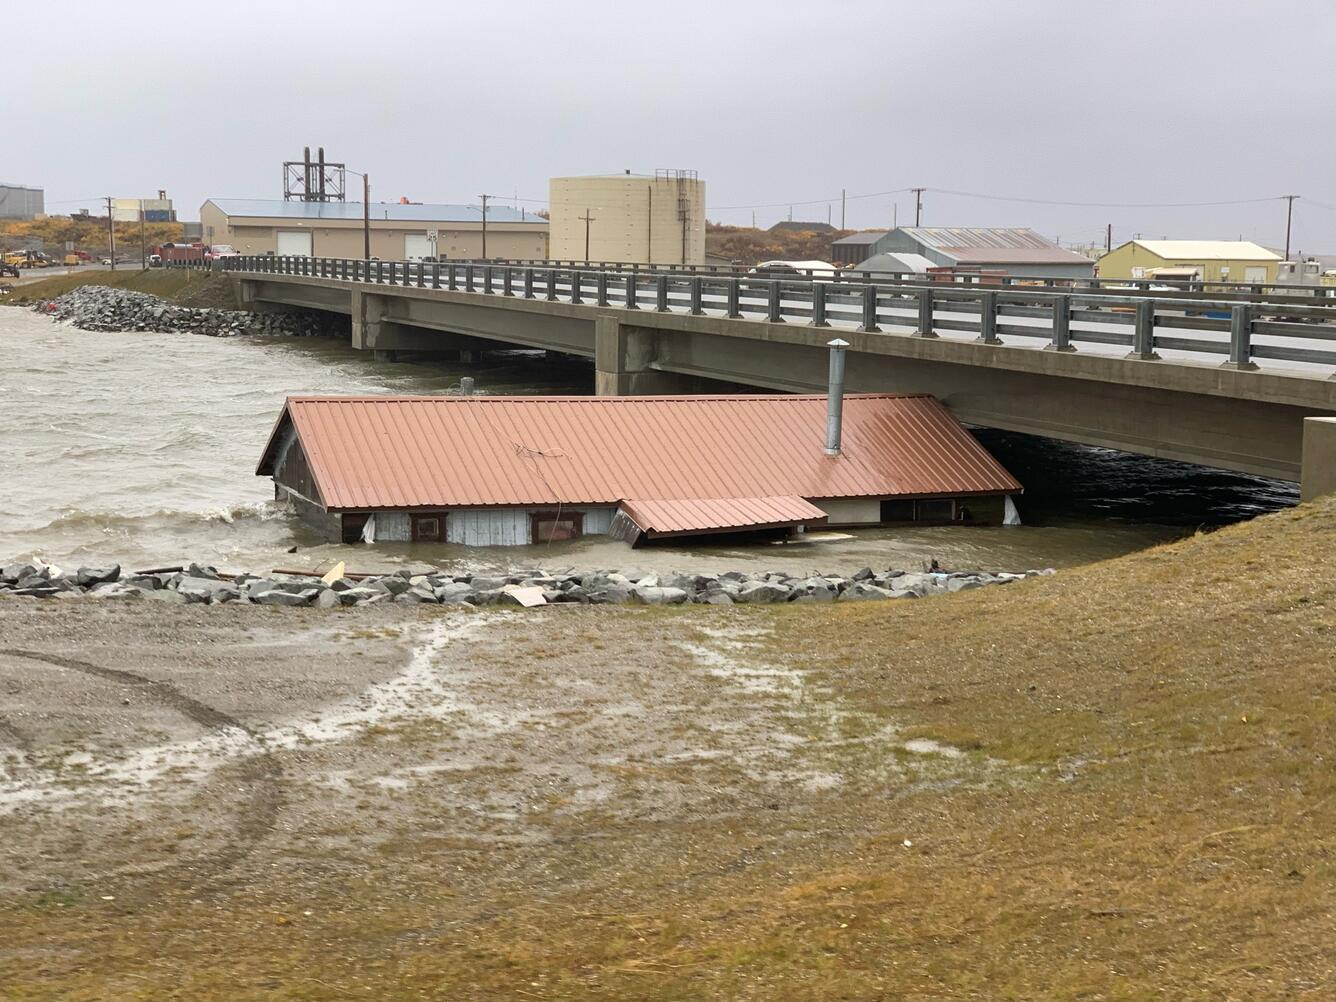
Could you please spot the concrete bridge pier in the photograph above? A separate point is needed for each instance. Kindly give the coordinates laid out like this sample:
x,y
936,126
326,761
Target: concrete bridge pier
x,y
1319,458
625,356
385,338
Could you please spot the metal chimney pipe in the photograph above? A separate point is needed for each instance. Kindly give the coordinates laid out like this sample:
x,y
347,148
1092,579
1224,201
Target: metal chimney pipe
x,y
306,173
835,396
320,181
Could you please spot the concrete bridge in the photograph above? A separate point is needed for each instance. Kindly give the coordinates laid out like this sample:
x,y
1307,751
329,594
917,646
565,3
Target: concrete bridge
x,y
1220,382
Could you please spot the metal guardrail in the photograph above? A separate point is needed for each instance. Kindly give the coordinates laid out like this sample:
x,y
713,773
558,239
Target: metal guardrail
x,y
1061,319
1129,286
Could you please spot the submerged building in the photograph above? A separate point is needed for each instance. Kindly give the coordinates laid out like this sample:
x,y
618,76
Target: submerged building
x,y
499,471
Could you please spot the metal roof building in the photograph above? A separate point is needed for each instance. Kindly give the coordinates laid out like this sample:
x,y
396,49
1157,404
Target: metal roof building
x,y
858,247
399,231
505,470
1209,260
1014,251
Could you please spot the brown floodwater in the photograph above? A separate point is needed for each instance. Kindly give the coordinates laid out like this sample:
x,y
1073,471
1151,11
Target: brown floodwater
x,y
141,448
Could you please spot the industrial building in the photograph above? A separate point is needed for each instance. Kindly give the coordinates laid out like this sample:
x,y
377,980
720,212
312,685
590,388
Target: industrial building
x,y
628,218
496,471
150,210
858,247
801,226
1199,260
18,201
399,231
999,251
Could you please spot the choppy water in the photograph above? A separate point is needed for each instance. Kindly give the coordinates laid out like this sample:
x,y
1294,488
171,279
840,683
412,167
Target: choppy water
x,y
142,448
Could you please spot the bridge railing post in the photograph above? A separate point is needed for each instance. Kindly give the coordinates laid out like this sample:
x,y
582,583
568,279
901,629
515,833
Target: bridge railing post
x,y
819,305
734,298
1062,325
695,290
487,279
469,279
774,302
506,289
988,318
1143,334
1240,337
528,282
550,283
421,268
577,283
601,288
925,310
869,324
661,292
629,284
451,276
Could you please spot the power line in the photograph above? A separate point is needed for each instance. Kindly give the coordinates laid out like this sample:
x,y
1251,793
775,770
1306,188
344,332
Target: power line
x,y
1104,205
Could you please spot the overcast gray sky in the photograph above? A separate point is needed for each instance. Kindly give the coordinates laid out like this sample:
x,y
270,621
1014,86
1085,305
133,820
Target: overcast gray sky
x,y
772,102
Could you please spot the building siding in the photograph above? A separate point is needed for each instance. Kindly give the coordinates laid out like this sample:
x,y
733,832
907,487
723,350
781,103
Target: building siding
x,y
634,219
851,511
1132,262
488,527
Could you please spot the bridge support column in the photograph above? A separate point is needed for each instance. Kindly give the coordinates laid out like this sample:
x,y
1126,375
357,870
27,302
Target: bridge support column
x,y
624,356
386,338
1319,458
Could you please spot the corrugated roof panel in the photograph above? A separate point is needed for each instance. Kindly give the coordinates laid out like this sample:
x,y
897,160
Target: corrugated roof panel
x,y
660,517
409,452
1208,250
426,213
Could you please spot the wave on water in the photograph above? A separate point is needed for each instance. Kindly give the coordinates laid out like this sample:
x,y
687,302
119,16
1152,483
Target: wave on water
x,y
73,519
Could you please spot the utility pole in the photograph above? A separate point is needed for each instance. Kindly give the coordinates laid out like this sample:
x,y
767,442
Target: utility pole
x,y
1108,237
484,226
918,205
1289,217
587,220
143,251
842,207
111,234
753,219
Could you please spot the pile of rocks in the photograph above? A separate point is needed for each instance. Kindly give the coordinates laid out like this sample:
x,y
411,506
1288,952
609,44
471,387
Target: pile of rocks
x,y
197,583
103,308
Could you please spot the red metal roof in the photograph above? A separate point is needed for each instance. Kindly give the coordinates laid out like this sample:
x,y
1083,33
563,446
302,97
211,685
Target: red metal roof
x,y
412,452
660,517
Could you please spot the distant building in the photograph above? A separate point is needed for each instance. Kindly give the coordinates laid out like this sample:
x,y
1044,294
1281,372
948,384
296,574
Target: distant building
x,y
497,471
1204,260
628,218
902,263
1007,251
192,232
398,232
799,226
21,202
151,210
858,247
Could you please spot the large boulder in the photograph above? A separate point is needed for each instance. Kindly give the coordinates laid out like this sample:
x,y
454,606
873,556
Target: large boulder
x,y
89,576
276,596
763,591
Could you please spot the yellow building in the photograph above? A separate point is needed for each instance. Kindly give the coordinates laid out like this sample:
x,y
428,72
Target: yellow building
x,y
629,218
1202,260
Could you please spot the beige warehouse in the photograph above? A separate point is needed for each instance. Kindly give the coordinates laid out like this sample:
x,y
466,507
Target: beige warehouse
x,y
632,218
398,232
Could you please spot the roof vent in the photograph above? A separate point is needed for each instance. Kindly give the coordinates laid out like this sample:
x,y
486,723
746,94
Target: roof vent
x,y
835,396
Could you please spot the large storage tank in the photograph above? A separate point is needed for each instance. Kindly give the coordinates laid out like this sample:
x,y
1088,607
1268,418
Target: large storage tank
x,y
654,218
18,201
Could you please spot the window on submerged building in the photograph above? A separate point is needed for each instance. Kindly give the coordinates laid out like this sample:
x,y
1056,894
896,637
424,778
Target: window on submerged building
x,y
551,526
428,528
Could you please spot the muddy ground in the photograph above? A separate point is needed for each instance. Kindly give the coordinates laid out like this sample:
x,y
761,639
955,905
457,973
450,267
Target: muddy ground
x,y
1113,783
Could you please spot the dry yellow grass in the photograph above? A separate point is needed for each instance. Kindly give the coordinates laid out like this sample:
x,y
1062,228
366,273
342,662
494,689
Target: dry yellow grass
x,y
191,288
1148,812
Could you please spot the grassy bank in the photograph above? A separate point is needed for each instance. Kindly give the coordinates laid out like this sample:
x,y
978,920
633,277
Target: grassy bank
x,y
1132,797
189,288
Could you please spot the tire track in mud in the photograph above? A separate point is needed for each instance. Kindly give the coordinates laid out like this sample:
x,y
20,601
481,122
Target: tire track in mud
x,y
259,773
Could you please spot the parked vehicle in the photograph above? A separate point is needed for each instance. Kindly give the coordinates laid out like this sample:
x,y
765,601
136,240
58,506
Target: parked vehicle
x,y
155,260
8,270
73,260
220,250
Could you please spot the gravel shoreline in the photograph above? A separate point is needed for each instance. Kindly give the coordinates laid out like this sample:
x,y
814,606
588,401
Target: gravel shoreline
x,y
203,584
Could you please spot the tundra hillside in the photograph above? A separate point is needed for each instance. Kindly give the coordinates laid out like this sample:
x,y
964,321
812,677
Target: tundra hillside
x,y
1112,783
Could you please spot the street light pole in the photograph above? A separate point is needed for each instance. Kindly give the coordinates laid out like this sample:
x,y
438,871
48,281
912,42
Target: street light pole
x,y
366,218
